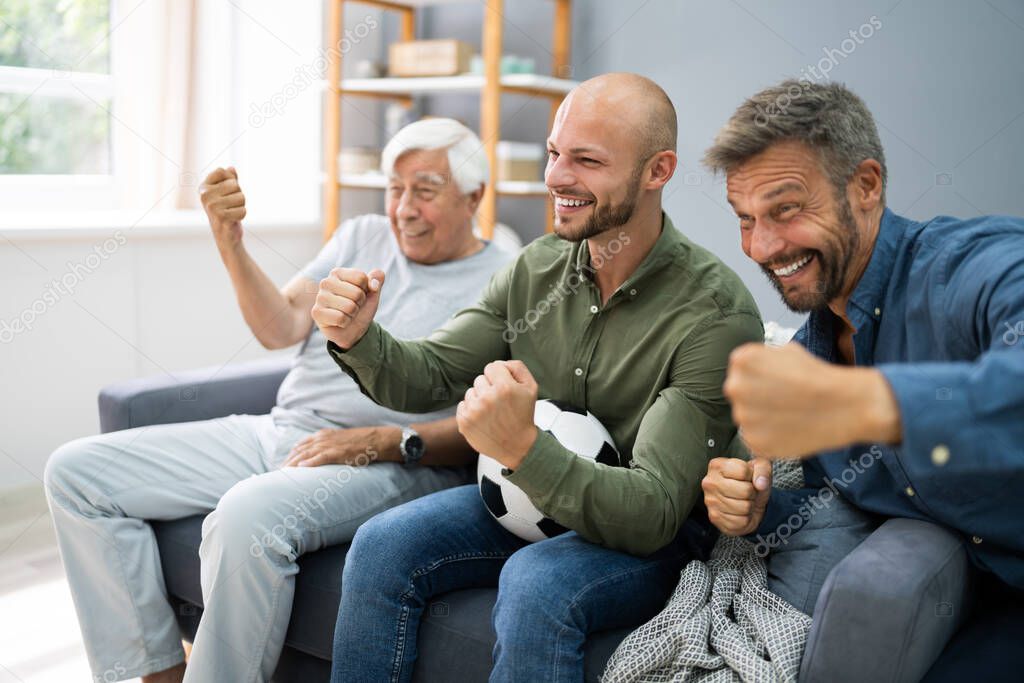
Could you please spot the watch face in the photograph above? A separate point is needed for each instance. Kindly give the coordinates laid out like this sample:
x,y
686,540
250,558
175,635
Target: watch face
x,y
412,447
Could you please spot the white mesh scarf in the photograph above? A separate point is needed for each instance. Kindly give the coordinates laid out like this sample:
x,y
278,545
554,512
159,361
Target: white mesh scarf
x,y
721,623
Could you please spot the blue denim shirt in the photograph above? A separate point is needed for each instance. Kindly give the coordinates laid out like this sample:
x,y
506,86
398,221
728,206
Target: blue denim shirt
x,y
939,312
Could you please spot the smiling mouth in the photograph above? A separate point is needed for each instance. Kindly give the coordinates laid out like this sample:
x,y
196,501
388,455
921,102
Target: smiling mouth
x,y
409,234
571,203
794,267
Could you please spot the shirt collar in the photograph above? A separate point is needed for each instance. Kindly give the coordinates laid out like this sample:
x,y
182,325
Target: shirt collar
x,y
665,250
869,294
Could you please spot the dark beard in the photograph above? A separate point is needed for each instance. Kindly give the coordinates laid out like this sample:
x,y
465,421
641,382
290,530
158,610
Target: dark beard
x,y
607,217
833,266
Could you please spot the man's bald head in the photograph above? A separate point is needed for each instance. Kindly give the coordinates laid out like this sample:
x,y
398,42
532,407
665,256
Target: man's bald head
x,y
640,104
610,152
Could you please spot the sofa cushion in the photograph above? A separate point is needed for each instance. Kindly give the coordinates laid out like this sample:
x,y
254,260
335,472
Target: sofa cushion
x,y
317,586
456,636
798,567
892,604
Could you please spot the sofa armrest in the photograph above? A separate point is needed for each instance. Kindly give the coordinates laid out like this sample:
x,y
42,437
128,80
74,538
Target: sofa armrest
x,y
888,608
244,388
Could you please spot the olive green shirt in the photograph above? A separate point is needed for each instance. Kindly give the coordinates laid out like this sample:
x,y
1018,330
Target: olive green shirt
x,y
649,364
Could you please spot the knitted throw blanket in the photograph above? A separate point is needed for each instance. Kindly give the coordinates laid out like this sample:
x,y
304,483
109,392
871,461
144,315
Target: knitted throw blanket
x,y
721,624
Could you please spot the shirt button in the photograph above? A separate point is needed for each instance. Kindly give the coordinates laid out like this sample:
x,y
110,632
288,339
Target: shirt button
x,y
578,371
711,443
594,309
976,540
878,311
632,292
940,455
909,491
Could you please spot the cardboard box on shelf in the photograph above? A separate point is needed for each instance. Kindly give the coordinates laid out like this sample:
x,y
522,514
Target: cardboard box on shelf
x,y
429,58
521,161
358,160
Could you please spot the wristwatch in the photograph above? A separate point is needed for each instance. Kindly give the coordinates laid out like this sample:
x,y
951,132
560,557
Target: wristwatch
x,y
412,446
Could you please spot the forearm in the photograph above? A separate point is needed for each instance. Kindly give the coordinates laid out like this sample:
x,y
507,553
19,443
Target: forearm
x,y
640,506
433,373
423,375
274,319
634,510
963,417
875,417
444,446
394,374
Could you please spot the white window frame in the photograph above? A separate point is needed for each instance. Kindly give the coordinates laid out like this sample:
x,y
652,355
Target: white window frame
x,y
63,191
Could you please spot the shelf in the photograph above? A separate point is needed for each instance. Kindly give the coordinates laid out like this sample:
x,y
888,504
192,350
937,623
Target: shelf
x,y
411,4
404,90
509,188
522,188
530,84
366,181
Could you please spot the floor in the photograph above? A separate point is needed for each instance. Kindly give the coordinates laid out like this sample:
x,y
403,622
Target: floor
x,y
39,637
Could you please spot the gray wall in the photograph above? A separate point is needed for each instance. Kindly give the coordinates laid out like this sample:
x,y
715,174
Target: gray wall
x,y
944,78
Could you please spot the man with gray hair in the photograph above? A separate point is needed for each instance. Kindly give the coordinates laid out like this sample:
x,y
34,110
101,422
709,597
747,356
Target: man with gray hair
x,y
325,460
914,347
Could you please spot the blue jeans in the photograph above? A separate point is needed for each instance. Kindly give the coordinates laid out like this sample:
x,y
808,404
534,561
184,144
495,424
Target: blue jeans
x,y
551,594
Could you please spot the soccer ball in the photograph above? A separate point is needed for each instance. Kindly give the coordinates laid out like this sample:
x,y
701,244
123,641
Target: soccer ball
x,y
577,430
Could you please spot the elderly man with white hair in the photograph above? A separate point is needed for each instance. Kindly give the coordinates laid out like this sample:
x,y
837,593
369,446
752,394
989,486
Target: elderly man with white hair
x,y
325,460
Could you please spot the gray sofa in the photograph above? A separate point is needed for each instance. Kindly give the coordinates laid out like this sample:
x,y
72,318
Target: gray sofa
x,y
885,613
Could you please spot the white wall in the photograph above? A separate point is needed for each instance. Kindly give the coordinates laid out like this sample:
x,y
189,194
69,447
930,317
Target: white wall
x,y
158,303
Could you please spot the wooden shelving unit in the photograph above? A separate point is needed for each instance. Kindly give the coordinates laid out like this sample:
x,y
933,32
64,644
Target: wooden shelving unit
x,y
490,86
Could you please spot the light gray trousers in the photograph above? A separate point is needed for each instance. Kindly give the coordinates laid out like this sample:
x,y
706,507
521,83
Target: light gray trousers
x,y
102,489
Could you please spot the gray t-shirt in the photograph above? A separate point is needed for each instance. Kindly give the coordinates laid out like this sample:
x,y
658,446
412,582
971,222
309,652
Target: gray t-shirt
x,y
415,301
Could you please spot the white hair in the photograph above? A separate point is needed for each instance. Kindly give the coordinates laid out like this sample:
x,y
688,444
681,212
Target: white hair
x,y
466,157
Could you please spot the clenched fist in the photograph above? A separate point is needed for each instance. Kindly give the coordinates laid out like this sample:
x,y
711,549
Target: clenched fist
x,y
790,404
496,415
736,493
224,203
345,304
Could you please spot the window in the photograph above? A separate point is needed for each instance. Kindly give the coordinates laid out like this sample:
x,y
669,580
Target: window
x,y
56,90
122,106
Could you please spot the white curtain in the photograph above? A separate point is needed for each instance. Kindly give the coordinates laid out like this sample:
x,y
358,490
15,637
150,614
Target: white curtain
x,y
163,52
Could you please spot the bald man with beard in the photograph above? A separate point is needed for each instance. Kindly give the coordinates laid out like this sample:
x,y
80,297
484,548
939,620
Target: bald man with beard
x,y
616,313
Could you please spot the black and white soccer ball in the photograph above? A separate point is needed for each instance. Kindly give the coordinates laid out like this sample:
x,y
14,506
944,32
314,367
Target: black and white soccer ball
x,y
577,430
